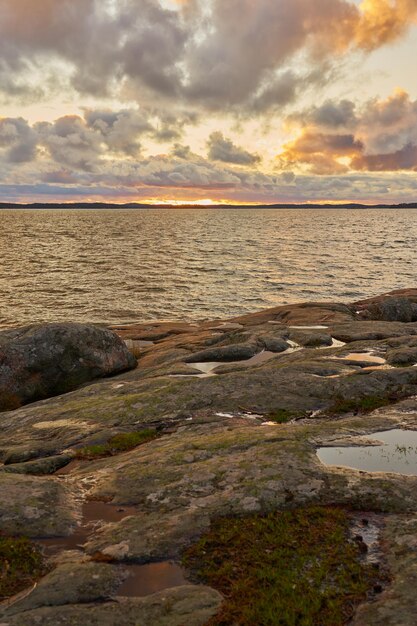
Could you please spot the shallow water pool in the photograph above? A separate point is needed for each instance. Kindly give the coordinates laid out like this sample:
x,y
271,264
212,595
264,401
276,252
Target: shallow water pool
x,y
397,453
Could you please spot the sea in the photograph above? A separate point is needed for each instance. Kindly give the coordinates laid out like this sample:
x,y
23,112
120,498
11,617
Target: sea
x,y
122,266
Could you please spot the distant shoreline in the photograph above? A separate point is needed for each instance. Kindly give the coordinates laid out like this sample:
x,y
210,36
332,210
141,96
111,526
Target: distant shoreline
x,y
135,205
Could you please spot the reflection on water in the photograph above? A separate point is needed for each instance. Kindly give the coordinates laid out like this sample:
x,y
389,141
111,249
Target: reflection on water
x,y
141,580
93,514
361,357
208,369
397,453
120,266
144,580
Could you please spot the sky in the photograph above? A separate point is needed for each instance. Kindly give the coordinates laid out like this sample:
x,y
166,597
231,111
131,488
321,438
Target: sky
x,y
208,101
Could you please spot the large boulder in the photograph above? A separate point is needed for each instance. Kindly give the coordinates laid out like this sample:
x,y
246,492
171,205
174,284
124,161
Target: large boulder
x,y
394,310
389,308
45,360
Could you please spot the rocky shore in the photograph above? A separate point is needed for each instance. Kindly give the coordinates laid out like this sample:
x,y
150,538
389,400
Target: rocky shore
x,y
120,448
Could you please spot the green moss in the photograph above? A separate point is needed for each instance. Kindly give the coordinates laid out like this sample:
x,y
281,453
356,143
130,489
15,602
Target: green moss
x,y
294,568
282,416
360,405
21,564
117,444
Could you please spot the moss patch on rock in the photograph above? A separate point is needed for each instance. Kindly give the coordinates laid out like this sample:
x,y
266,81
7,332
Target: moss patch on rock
x,y
283,416
122,442
366,404
21,564
292,568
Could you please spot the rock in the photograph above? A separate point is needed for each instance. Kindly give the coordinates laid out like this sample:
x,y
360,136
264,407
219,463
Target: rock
x,y
397,605
71,583
191,605
274,344
315,340
243,469
237,352
36,507
39,467
402,356
221,452
49,359
307,313
393,309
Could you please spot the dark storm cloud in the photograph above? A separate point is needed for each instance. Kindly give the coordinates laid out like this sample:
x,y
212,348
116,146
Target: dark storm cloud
x,y
334,114
209,53
223,149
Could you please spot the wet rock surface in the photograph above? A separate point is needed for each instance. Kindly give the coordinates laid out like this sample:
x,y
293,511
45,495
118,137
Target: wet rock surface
x,y
242,440
48,359
174,607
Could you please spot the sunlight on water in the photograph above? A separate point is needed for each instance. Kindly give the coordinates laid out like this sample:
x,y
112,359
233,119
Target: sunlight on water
x,y
121,266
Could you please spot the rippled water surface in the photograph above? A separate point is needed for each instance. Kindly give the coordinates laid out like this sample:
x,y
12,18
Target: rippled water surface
x,y
117,266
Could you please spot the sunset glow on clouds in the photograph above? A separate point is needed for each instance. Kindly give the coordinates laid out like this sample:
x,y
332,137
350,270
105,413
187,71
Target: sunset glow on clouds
x,y
237,101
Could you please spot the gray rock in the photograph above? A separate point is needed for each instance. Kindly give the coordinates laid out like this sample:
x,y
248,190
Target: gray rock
x,y
38,467
315,340
402,356
213,459
71,583
274,344
36,507
191,605
397,605
393,309
50,359
237,352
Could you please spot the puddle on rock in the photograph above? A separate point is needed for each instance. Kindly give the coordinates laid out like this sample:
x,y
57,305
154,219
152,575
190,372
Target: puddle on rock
x,y
361,357
94,513
294,347
366,528
397,453
245,416
335,344
208,369
309,327
144,580
136,346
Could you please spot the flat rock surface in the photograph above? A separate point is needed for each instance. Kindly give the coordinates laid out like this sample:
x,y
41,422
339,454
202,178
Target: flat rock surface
x,y
215,392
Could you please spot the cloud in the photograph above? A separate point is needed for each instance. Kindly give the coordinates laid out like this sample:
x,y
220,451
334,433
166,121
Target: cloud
x,y
120,130
201,53
222,149
383,21
330,115
17,140
253,187
339,137
71,142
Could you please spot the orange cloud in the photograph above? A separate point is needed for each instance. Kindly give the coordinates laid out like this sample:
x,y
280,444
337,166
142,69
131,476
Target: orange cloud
x,y
336,137
342,26
322,153
383,21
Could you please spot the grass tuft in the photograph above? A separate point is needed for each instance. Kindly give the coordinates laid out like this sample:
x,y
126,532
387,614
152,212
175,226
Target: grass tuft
x,y
361,405
117,444
21,564
283,416
293,568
